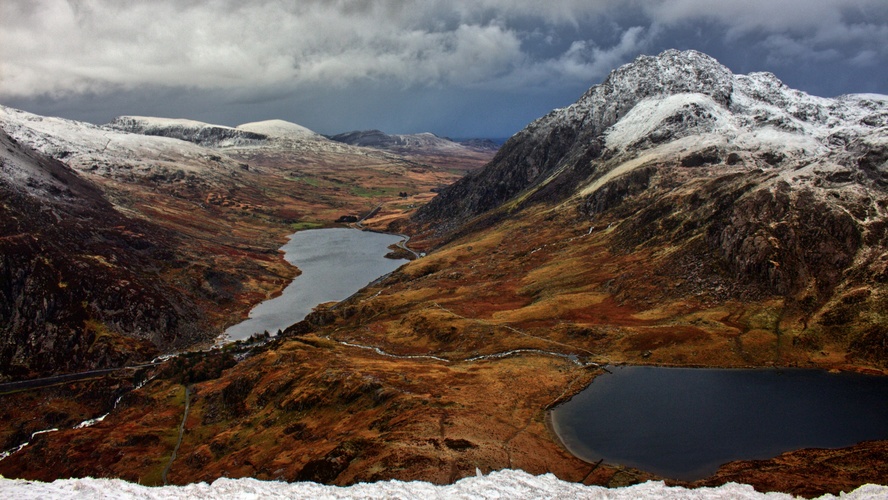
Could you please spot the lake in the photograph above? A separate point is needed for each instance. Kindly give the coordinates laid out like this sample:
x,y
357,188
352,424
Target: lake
x,y
683,423
335,263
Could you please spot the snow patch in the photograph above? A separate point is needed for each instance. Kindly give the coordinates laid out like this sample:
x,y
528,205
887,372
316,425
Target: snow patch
x,y
512,484
113,153
650,114
158,122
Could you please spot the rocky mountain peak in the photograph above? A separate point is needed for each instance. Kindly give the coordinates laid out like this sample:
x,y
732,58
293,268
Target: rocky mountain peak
x,y
664,108
672,72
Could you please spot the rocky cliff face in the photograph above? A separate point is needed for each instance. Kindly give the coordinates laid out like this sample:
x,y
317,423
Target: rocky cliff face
x,y
78,280
777,192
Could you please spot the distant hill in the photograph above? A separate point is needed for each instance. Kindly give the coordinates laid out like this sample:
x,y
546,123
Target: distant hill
x,y
197,132
412,143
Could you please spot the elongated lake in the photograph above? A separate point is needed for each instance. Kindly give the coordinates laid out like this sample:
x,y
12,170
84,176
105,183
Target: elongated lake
x,y
683,423
335,263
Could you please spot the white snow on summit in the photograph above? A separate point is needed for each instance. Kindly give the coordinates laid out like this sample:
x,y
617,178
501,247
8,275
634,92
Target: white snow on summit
x,y
203,134
106,151
280,129
666,107
159,122
511,484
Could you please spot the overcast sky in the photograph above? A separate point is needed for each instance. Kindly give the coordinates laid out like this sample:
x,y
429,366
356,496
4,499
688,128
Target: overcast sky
x,y
462,68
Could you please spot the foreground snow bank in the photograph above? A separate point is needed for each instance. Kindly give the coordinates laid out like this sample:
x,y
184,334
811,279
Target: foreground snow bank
x,y
502,484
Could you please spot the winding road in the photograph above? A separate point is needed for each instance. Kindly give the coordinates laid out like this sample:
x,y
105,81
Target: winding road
x,y
39,383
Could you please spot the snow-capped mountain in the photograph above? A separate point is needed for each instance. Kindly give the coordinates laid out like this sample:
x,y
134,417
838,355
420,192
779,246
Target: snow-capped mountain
x,y
113,153
280,129
741,186
262,133
30,173
200,133
683,107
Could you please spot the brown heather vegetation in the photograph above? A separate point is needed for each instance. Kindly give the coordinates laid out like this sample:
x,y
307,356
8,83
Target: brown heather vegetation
x,y
308,407
451,363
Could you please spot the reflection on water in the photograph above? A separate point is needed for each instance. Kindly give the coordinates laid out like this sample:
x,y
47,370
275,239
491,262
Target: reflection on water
x,y
683,423
335,263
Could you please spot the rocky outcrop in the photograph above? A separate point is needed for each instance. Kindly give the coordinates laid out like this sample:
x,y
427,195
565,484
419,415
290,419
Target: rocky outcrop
x,y
199,133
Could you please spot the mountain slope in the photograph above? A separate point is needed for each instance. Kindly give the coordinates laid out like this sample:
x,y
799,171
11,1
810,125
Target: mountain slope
x,y
731,187
648,107
413,142
63,248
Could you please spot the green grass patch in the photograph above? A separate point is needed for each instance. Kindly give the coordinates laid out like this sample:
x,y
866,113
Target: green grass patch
x,y
153,475
101,331
303,225
311,181
374,191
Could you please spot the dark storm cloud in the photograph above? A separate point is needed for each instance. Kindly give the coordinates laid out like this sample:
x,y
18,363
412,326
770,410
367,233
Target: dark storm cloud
x,y
416,63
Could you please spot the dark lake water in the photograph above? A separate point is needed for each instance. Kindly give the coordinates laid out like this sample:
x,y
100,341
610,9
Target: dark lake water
x,y
335,263
683,423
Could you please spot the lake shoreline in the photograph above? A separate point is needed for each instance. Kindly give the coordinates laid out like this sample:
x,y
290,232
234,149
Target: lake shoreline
x,y
568,439
308,256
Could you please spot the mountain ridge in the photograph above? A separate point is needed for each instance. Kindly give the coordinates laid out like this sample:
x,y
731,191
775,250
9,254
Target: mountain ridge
x,y
203,134
424,141
571,137
424,147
